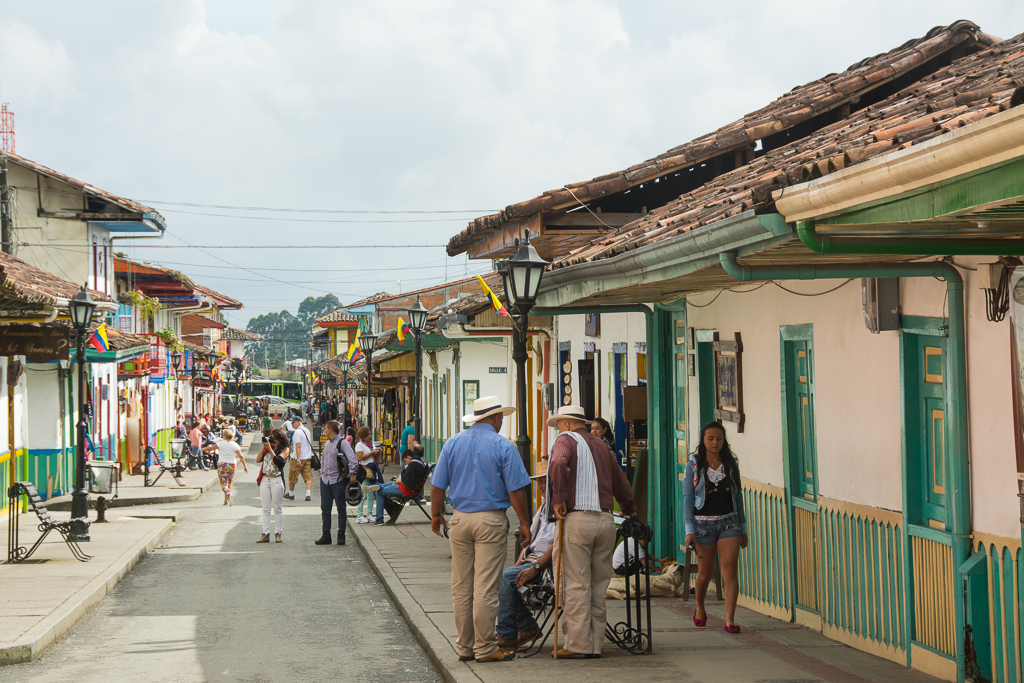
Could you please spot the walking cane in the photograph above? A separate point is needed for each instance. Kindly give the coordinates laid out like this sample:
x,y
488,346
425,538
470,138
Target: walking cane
x,y
559,579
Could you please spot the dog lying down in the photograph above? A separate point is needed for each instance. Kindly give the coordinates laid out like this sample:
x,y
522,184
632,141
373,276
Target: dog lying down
x,y
665,585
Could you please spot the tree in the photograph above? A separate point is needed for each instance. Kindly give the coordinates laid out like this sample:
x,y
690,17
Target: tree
x,y
284,331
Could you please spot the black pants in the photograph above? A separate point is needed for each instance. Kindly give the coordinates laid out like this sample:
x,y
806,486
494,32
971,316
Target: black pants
x,y
333,495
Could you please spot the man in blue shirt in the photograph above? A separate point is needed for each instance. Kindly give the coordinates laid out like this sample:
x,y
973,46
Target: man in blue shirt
x,y
483,474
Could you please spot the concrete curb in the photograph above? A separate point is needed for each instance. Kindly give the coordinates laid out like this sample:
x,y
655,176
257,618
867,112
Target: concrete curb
x,y
177,495
60,621
434,643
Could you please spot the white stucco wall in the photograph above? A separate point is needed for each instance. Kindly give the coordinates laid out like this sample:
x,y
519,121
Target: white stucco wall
x,y
476,359
43,406
858,407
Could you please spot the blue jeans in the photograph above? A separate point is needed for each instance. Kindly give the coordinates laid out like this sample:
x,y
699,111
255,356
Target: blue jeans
x,y
513,616
332,495
388,489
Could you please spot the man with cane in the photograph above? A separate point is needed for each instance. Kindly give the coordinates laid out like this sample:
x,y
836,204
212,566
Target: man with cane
x,y
483,475
585,479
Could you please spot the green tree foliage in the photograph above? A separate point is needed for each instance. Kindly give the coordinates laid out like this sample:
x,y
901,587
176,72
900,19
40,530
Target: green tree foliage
x,y
286,331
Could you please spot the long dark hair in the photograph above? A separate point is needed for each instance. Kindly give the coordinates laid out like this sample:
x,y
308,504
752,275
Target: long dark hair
x,y
278,438
732,468
605,426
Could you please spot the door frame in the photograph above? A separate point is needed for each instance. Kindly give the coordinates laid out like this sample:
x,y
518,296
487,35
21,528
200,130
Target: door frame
x,y
796,333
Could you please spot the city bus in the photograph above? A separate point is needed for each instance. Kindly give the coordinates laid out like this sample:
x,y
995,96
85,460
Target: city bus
x,y
291,391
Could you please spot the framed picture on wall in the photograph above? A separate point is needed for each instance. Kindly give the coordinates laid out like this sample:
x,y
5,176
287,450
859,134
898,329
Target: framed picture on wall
x,y
592,325
729,381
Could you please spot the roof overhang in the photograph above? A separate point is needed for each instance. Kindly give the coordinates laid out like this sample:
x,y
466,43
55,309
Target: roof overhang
x,y
151,223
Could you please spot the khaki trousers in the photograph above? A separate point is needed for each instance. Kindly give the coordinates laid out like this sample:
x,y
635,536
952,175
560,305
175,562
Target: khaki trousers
x,y
300,467
587,566
479,542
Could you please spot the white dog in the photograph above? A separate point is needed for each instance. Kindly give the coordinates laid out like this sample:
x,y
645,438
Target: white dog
x,y
664,585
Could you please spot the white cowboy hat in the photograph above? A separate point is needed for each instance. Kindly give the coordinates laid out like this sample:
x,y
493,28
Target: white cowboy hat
x,y
485,407
568,413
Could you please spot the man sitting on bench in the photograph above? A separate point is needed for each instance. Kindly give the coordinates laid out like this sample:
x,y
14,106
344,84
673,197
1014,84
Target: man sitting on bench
x,y
516,624
409,485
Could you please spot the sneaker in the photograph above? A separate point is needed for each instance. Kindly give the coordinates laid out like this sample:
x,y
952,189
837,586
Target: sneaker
x,y
308,496
378,522
289,496
360,520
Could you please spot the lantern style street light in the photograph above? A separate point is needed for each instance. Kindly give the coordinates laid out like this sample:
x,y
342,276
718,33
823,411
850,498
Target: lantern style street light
x,y
176,364
343,365
366,343
521,276
80,309
417,323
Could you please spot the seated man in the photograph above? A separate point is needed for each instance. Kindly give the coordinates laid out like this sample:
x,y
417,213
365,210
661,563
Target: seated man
x,y
516,624
414,473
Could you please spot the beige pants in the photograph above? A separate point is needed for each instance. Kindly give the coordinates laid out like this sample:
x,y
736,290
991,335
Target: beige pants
x,y
589,539
300,467
479,542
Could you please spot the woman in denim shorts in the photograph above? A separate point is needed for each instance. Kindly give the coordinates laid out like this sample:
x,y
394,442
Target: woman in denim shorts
x,y
715,521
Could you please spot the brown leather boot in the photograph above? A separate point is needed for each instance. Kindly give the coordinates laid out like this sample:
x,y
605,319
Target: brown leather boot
x,y
265,538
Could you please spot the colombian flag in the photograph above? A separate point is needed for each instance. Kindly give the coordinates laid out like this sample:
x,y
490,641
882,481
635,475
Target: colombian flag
x,y
403,329
98,339
494,299
353,347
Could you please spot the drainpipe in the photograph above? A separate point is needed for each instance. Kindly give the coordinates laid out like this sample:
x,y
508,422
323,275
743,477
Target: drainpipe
x,y
827,244
957,361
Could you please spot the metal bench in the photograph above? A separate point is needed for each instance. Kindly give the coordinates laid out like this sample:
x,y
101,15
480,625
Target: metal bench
x,y
176,469
399,502
19,553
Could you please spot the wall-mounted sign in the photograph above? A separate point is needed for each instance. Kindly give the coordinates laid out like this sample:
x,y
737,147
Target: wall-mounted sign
x,y
497,370
39,344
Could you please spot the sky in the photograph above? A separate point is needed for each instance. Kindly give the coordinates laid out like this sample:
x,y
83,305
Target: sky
x,y
201,108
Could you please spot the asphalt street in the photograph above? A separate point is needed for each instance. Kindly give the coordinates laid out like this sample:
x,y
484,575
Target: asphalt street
x,y
209,604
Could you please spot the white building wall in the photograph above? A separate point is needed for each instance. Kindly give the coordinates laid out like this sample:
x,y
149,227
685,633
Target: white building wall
x,y
858,407
43,406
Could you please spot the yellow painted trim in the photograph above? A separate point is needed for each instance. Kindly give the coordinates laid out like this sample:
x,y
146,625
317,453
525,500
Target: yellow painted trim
x,y
760,487
764,608
808,619
874,647
932,664
863,511
999,541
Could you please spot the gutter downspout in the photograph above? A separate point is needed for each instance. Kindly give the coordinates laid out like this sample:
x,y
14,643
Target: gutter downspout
x,y
958,376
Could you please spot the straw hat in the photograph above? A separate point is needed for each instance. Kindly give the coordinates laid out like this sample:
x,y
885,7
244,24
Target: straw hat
x,y
541,470
485,407
568,413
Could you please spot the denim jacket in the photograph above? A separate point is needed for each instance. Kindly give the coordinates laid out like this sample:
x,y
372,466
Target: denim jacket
x,y
693,496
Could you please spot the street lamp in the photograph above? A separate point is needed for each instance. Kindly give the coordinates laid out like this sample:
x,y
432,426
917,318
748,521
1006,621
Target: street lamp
x,y
211,360
366,344
417,323
343,365
80,308
175,363
521,276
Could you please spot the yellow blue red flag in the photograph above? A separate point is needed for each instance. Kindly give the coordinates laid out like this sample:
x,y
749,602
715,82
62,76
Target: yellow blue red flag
x,y
98,339
495,301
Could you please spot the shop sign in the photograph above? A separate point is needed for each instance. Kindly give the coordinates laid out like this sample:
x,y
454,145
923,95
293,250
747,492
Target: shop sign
x,y
501,370
38,344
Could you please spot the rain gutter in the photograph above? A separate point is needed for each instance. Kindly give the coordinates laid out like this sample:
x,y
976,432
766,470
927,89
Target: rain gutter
x,y
665,260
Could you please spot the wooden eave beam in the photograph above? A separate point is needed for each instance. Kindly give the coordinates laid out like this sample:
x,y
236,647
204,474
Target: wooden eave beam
x,y
584,219
90,215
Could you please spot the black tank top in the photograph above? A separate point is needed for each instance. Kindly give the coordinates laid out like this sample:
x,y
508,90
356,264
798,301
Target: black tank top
x,y
717,498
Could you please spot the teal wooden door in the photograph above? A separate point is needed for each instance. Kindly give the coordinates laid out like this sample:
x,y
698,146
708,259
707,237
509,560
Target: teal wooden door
x,y
926,429
802,462
679,379
802,442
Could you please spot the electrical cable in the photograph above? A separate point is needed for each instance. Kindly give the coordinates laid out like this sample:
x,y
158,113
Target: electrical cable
x,y
997,301
828,291
588,208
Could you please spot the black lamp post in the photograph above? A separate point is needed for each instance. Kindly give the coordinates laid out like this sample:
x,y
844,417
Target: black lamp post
x,y
176,363
521,276
211,360
80,308
417,323
366,344
343,365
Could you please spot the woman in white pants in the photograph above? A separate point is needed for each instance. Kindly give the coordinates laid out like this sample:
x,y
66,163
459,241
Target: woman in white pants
x,y
273,458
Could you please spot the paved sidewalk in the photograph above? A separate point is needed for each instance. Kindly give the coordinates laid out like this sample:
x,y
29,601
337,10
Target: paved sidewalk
x,y
44,596
131,491
415,567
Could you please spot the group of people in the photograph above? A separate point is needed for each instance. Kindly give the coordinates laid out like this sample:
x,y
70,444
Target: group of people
x,y
573,532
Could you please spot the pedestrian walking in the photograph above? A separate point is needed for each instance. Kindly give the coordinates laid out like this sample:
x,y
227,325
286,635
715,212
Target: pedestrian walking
x,y
367,456
408,436
715,518
228,455
300,462
585,480
483,475
195,439
303,408
337,468
273,457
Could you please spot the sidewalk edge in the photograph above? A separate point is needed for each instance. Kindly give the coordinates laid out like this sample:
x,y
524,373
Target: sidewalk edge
x,y
434,643
60,621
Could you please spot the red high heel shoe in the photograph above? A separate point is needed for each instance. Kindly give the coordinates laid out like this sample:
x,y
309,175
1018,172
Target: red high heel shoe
x,y
700,622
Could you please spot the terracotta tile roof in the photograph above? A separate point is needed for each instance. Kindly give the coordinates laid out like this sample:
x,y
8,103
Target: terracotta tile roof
x,y
969,89
119,340
126,268
127,204
338,315
234,334
788,111
370,299
22,281
222,300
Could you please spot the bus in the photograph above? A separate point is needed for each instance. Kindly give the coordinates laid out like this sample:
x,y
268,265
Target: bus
x,y
291,391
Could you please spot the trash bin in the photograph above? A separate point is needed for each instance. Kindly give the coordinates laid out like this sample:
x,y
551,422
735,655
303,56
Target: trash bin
x,y
103,475
178,448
